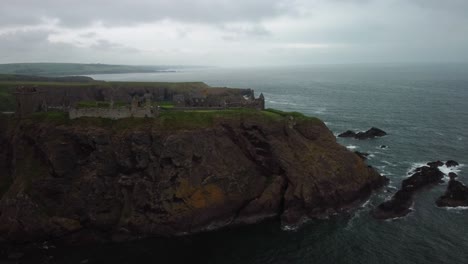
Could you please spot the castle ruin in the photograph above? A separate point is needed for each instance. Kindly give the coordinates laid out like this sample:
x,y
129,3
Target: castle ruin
x,y
30,100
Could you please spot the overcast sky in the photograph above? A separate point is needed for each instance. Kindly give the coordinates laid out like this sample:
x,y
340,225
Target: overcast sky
x,y
233,32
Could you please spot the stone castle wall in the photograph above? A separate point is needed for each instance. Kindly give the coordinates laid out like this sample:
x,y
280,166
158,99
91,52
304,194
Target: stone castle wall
x,y
111,113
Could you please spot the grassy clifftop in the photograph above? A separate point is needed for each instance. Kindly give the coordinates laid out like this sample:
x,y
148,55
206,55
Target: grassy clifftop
x,y
173,120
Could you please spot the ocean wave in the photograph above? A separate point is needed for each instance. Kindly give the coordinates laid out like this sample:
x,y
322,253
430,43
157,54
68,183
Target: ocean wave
x,y
283,103
320,110
388,163
458,208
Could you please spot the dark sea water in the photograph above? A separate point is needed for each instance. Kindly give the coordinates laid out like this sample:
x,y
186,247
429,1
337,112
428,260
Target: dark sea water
x,y
424,109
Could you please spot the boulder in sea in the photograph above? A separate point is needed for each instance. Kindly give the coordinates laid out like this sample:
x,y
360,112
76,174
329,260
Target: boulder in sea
x,y
423,177
451,163
456,194
371,133
399,205
383,146
347,134
452,175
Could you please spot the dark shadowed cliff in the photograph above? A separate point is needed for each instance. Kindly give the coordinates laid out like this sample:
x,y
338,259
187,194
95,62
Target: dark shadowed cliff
x,y
96,179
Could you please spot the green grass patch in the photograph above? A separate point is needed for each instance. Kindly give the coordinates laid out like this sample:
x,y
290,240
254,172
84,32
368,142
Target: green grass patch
x,y
165,105
99,104
172,119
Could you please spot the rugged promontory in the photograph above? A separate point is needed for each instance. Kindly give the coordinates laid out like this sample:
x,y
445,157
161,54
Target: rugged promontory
x,y
93,179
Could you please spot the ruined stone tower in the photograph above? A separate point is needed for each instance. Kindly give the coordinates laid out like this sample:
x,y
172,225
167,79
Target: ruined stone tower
x,y
28,101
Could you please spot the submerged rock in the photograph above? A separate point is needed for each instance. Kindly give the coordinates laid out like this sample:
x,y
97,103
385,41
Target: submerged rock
x,y
456,194
399,205
99,181
371,133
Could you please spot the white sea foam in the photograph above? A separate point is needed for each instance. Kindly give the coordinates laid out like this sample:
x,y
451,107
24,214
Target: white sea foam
x,y
444,169
458,208
320,110
388,163
351,147
282,102
414,166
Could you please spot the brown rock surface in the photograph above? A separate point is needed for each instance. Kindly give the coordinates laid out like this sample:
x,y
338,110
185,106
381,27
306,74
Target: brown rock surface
x,y
97,181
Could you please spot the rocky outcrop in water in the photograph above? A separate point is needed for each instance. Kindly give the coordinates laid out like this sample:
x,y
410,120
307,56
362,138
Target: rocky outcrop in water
x,y
90,180
371,133
456,194
451,163
400,204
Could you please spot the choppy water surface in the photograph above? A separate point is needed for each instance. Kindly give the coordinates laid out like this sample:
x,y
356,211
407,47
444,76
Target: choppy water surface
x,y
424,108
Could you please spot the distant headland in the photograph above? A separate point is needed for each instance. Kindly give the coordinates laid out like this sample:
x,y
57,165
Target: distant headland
x,y
85,161
62,69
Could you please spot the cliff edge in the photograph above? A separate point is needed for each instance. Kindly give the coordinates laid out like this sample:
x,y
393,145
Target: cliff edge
x,y
95,179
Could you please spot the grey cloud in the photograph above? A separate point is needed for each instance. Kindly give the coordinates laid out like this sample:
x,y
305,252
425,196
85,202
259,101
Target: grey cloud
x,y
128,12
357,30
239,32
88,35
34,46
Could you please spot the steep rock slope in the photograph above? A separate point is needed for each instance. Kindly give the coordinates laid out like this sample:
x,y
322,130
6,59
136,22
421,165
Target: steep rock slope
x,y
85,181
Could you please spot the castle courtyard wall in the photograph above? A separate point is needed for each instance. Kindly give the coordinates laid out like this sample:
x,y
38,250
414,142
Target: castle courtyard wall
x,y
111,113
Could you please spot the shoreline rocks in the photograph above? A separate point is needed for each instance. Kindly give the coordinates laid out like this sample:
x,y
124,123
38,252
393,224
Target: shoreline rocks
x,y
456,194
400,203
373,132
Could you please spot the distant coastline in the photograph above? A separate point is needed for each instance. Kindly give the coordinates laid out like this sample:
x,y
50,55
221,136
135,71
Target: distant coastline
x,y
63,69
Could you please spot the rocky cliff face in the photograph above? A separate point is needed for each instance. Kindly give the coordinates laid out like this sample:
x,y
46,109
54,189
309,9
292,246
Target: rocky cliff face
x,y
92,182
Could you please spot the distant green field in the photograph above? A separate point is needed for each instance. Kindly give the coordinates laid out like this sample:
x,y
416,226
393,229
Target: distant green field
x,y
61,69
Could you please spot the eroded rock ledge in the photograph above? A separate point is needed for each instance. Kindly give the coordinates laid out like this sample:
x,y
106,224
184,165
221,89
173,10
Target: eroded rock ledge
x,y
88,181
